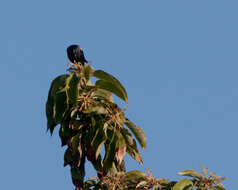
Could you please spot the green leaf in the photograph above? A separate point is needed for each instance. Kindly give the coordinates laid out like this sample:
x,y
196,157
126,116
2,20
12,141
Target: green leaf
x,y
49,112
71,88
67,157
93,122
127,136
219,187
77,173
64,129
135,175
111,79
134,153
138,132
60,107
87,71
50,115
57,84
131,145
64,132
98,140
110,149
190,173
76,144
120,147
109,86
183,184
108,77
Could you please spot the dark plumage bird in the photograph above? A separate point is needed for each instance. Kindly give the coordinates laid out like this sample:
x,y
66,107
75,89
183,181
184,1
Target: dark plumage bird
x,y
76,55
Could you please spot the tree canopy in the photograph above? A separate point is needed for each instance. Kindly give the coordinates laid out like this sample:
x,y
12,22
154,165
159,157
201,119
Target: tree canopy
x,y
89,120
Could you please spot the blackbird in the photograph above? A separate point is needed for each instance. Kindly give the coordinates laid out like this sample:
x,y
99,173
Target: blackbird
x,y
76,55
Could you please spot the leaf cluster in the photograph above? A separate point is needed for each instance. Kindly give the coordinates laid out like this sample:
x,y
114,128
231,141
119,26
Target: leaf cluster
x,y
90,120
141,181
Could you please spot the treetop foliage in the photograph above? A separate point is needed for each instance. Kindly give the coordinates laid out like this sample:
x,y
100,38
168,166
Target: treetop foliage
x,y
89,119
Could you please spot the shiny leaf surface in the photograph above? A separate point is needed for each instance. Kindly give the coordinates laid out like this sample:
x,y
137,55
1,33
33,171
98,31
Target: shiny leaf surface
x,y
138,132
182,184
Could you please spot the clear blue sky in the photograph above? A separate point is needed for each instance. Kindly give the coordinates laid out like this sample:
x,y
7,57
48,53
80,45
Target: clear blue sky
x,y
178,60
